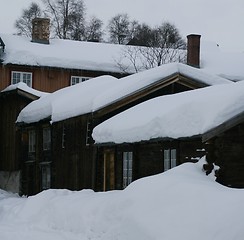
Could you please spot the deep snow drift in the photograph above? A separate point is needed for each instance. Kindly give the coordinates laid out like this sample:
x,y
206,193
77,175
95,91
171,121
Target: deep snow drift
x,y
182,203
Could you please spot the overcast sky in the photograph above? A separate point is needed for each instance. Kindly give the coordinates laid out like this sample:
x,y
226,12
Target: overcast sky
x,y
220,21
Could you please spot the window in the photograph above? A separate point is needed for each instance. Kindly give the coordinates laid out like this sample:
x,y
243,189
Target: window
x,y
32,141
78,79
127,168
24,77
169,159
46,177
88,132
46,138
63,137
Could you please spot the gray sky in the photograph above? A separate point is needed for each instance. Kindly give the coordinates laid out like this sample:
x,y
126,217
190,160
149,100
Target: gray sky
x,y
220,21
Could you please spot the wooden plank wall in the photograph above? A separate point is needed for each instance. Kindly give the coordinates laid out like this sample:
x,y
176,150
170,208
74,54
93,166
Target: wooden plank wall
x,y
229,156
47,79
11,105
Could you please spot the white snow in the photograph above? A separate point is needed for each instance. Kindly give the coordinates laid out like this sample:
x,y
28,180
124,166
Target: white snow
x,y
22,86
62,53
225,64
182,203
174,116
107,57
67,102
96,93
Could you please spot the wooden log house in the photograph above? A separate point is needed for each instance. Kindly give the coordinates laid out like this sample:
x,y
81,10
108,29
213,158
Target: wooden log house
x,y
225,148
71,158
51,64
12,100
216,126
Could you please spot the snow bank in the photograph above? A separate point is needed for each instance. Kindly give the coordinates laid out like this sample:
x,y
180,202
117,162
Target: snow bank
x,y
174,116
182,203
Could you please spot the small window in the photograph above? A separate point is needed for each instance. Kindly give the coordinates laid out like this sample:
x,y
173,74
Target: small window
x,y
46,177
169,159
32,141
88,132
78,79
25,77
127,168
63,137
46,138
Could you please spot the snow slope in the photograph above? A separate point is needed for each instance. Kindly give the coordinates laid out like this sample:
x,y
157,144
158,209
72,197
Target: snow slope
x,y
182,203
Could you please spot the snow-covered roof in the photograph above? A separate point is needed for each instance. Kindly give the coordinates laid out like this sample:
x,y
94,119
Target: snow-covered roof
x,y
22,86
174,116
226,64
67,102
102,91
107,57
62,53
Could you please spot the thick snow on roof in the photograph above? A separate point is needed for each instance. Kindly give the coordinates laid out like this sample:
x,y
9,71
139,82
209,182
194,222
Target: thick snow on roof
x,y
67,102
101,91
22,86
105,57
225,64
174,116
138,81
62,53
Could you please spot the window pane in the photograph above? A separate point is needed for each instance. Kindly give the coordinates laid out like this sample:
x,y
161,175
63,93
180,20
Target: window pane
x,y
127,168
46,139
166,159
78,79
46,177
21,77
173,158
32,141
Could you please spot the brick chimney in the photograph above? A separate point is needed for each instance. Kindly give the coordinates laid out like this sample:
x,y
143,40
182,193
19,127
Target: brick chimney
x,y
40,30
193,50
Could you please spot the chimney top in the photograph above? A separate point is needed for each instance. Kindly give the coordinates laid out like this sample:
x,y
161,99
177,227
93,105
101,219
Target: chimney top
x,y
193,50
40,30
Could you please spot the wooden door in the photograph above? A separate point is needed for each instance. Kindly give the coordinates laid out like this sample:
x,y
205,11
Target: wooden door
x,y
109,171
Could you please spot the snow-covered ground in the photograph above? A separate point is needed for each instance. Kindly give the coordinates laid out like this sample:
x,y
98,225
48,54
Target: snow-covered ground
x,y
180,204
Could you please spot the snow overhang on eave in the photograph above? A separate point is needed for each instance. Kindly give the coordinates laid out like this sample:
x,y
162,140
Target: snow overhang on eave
x,y
153,140
214,132
43,121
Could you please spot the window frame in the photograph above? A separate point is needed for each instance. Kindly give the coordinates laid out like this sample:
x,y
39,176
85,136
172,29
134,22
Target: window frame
x,y
46,138
20,78
32,141
45,176
78,79
170,158
127,168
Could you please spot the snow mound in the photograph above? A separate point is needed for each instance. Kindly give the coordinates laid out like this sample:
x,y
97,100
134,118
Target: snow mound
x,y
182,203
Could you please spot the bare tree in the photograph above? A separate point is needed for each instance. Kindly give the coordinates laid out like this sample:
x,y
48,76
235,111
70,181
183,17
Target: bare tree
x,y
67,18
118,28
94,30
24,23
154,47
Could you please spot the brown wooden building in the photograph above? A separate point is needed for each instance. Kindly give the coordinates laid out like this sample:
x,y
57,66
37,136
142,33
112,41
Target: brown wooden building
x,y
12,101
51,64
225,148
120,164
71,161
